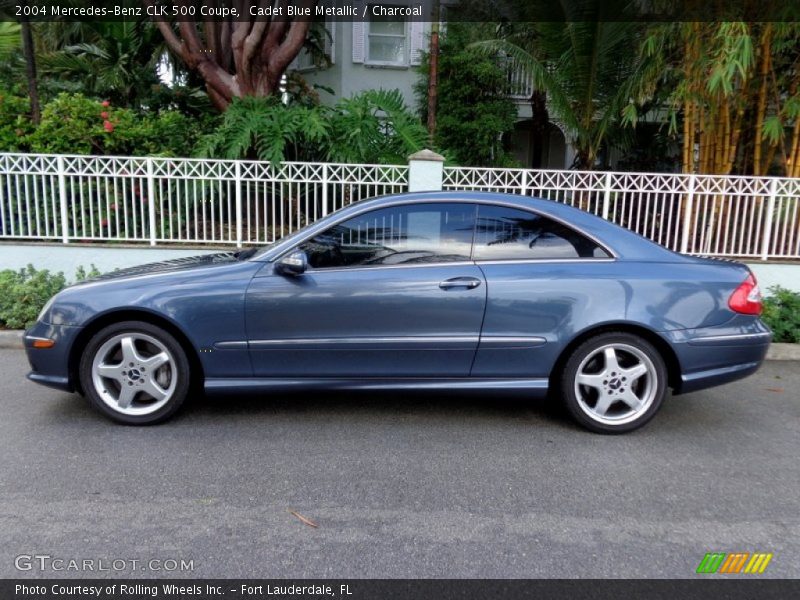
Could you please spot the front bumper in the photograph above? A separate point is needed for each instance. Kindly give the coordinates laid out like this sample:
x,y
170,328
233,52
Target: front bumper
x,y
51,366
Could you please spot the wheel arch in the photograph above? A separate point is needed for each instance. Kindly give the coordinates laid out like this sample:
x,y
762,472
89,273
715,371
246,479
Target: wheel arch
x,y
131,314
661,345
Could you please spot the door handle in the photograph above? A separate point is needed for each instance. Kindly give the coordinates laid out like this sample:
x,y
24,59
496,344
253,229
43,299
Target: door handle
x,y
460,282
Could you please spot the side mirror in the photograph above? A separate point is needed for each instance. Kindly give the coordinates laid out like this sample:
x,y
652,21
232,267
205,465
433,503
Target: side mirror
x,y
293,264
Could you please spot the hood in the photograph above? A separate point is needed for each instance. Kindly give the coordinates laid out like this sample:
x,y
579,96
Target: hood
x,y
173,265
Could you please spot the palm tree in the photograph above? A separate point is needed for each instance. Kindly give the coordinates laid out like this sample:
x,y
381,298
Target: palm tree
x,y
591,71
113,59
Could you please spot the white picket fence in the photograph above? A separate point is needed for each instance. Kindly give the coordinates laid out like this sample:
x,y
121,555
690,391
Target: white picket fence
x,y
173,201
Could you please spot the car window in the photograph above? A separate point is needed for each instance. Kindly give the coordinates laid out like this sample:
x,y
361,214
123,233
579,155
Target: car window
x,y
400,235
503,233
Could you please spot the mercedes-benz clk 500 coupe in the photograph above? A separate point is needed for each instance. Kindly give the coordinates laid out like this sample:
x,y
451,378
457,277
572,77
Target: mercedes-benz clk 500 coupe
x,y
426,291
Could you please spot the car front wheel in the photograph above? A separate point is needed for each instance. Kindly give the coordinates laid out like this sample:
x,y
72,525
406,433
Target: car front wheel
x,y
135,373
614,382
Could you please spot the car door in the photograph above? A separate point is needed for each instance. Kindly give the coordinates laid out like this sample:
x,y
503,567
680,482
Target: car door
x,y
388,293
543,279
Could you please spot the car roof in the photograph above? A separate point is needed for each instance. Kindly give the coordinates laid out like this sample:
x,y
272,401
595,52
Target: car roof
x,y
623,242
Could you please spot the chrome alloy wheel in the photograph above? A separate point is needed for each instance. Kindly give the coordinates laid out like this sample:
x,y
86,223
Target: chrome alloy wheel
x,y
134,374
615,384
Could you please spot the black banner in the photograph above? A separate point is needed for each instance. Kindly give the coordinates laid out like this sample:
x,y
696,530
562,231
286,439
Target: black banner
x,y
419,10
398,589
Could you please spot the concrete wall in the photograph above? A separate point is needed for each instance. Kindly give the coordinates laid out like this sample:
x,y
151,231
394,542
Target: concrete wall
x,y
67,258
782,274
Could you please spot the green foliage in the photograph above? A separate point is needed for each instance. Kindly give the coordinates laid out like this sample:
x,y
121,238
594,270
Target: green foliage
x,y
75,124
373,126
474,109
24,293
15,125
782,314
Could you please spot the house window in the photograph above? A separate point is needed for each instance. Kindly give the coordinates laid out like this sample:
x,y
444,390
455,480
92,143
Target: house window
x,y
387,40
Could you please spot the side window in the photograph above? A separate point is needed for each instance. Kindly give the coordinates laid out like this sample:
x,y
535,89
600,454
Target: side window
x,y
506,234
411,234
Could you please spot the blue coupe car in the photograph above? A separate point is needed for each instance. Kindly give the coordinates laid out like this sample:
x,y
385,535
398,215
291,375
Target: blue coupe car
x,y
437,291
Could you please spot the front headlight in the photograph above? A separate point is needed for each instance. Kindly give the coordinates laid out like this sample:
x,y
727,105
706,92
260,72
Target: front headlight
x,y
46,309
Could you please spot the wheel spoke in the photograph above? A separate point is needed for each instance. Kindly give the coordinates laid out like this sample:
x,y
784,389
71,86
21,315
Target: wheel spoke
x,y
154,362
612,365
110,371
152,389
129,353
634,372
604,402
592,380
631,399
126,395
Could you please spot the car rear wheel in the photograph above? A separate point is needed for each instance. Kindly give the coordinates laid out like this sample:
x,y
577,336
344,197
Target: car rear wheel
x,y
135,373
614,382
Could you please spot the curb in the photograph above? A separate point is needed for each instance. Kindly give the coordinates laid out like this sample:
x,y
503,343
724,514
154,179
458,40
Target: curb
x,y
12,338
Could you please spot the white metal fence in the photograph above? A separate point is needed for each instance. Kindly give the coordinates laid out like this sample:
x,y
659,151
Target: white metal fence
x,y
164,200
712,215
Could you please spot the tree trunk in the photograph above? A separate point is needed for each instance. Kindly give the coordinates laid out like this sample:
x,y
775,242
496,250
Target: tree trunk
x,y
237,58
30,70
540,119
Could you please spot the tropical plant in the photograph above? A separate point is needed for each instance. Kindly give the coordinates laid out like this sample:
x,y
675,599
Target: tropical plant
x,y
374,126
735,95
474,109
117,61
589,69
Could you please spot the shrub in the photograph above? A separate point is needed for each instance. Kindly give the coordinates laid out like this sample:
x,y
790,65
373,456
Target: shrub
x,y
76,124
474,110
782,314
15,124
24,293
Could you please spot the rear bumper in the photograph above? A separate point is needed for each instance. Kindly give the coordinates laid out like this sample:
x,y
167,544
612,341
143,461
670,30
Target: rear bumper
x,y
50,366
720,355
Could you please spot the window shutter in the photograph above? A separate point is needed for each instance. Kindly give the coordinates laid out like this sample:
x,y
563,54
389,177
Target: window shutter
x,y
330,40
416,41
359,34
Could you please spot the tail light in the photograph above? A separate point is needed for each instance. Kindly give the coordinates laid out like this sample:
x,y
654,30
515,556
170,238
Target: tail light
x,y
746,299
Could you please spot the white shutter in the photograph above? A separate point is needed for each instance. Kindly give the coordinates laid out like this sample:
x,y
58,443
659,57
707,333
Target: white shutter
x,y
359,34
330,39
416,41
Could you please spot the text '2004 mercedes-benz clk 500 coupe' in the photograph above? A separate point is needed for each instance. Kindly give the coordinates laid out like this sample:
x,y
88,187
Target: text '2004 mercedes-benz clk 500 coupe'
x,y
441,290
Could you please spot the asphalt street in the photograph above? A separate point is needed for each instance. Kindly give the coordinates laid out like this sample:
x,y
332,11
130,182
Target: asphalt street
x,y
401,485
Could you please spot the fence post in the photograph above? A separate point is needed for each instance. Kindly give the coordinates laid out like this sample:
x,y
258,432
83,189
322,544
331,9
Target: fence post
x,y
687,215
606,195
425,171
238,169
62,199
524,182
770,215
151,200
324,189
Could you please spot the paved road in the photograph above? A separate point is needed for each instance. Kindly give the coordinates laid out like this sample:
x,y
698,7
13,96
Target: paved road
x,y
403,486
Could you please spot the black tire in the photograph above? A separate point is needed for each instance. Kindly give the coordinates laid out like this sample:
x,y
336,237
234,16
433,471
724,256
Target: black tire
x,y
604,405
147,339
